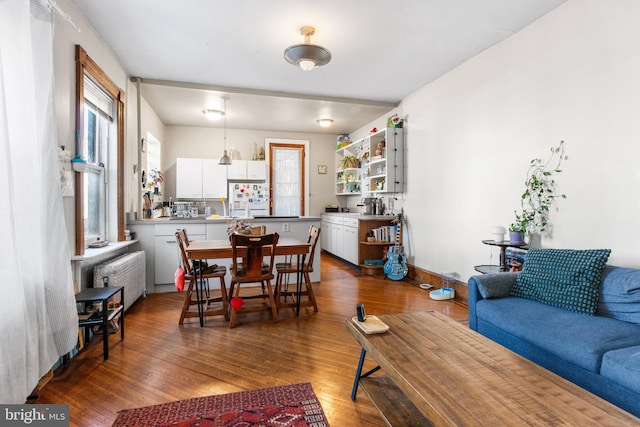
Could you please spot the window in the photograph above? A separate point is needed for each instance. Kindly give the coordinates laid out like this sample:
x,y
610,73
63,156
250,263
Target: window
x,y
100,129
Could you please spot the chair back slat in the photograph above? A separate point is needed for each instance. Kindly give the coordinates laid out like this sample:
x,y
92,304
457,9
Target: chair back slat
x,y
183,241
254,259
314,236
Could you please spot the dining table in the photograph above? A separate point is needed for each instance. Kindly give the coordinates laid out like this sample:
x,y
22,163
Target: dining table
x,y
199,250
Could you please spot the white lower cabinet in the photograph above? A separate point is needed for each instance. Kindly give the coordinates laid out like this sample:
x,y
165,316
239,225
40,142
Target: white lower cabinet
x,y
340,236
167,254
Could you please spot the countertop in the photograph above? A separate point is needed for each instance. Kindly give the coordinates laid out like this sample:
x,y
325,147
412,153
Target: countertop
x,y
203,220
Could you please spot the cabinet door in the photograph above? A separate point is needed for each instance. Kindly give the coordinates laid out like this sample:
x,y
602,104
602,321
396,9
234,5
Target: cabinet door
x,y
325,240
166,259
237,170
350,244
336,240
214,179
257,169
188,178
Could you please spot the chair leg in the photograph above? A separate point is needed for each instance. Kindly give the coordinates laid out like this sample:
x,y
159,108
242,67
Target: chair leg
x,y
311,295
187,301
274,307
225,298
232,322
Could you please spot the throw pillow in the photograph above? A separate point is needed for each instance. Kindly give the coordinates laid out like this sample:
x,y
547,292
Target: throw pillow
x,y
564,278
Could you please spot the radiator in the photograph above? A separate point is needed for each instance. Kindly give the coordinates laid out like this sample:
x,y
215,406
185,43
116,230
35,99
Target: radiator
x,y
126,270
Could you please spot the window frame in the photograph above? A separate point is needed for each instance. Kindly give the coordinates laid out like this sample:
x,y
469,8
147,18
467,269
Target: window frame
x,y
86,66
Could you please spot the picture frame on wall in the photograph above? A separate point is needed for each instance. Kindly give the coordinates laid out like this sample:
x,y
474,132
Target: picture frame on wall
x,y
322,169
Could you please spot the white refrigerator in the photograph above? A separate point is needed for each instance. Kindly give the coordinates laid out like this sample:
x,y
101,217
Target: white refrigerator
x,y
248,199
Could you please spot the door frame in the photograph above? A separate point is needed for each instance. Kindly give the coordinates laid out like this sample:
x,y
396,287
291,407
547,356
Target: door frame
x,y
305,184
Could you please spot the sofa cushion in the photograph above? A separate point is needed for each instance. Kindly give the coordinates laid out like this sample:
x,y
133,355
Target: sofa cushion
x,y
623,367
564,278
620,294
582,340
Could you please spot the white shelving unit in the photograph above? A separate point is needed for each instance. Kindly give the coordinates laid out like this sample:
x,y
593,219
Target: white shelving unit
x,y
378,172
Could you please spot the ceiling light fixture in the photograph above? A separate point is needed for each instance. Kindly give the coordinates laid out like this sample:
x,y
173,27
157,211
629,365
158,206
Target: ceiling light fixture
x,y
325,123
307,56
225,159
212,114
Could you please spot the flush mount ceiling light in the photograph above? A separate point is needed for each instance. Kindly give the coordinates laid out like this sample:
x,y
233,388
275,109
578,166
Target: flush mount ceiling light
x,y
325,123
212,114
307,56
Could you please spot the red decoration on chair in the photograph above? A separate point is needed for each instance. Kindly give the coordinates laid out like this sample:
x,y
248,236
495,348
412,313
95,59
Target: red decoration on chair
x,y
179,279
236,303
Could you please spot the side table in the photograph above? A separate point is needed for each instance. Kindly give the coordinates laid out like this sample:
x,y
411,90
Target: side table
x,y
102,295
503,245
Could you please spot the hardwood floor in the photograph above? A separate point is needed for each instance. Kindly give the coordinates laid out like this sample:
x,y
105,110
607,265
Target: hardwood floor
x,y
160,361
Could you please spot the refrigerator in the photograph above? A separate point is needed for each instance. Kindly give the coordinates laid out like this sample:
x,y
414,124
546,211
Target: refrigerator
x,y
248,199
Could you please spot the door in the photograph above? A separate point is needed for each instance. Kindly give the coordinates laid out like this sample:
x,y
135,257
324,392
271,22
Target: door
x,y
288,177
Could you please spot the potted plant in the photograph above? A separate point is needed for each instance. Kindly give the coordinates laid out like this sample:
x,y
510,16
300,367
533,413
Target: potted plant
x,y
349,161
540,194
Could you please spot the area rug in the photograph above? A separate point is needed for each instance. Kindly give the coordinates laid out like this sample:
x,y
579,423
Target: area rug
x,y
293,405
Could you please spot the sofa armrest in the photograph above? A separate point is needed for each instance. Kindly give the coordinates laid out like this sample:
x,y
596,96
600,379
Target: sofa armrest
x,y
487,286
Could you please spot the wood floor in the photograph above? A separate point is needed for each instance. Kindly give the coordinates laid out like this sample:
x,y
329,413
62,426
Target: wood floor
x,y
160,361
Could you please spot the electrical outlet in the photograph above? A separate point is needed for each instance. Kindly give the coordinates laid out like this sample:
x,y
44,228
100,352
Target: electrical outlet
x,y
285,226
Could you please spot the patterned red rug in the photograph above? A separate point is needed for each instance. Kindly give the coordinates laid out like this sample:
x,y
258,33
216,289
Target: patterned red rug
x,y
293,405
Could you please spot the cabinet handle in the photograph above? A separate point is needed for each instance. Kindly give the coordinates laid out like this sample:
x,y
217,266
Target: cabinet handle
x,y
170,241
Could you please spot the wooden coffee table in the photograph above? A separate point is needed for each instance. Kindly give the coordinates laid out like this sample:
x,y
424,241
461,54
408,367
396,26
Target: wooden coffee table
x,y
435,371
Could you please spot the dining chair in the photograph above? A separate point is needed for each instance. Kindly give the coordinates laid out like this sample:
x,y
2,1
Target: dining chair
x,y
284,271
208,305
249,250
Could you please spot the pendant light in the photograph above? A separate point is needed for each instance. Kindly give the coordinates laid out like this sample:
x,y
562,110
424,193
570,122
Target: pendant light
x,y
225,159
307,56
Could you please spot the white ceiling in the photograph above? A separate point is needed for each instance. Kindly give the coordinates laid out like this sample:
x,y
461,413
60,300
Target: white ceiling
x,y
382,52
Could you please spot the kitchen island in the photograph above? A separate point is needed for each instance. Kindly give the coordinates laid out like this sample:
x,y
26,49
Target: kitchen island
x,y
157,238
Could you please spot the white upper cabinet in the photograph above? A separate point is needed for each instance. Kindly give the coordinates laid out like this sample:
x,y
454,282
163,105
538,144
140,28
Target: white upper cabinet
x,y
200,178
247,169
214,179
188,178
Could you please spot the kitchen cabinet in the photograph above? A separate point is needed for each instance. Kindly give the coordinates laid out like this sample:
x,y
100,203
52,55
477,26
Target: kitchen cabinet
x,y
340,237
167,255
188,178
247,169
383,170
348,173
200,178
350,240
214,179
377,170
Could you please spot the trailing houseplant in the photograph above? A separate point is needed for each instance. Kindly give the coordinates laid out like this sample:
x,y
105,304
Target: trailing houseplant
x,y
349,162
541,192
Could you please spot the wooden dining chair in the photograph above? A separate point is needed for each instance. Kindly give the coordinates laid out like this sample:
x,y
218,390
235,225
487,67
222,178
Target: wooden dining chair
x,y
284,270
248,250
212,306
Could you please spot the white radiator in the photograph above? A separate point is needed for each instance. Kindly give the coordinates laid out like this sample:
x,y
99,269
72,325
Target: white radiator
x,y
126,270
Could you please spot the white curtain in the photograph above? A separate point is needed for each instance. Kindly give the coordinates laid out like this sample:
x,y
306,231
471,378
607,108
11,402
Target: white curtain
x,y
38,320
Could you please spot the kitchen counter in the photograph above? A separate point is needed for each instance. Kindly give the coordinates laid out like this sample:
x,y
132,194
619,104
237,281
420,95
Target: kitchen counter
x,y
157,239
203,220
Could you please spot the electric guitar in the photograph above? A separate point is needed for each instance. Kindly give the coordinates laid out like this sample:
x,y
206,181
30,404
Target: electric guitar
x,y
396,266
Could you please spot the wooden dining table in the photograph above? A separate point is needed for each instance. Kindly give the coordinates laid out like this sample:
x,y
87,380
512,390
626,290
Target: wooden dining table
x,y
220,249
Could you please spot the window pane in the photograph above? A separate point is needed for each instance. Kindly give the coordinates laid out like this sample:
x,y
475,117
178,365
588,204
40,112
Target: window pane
x,y
90,134
287,185
92,204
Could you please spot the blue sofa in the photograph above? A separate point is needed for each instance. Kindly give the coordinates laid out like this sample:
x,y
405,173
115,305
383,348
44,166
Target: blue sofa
x,y
600,352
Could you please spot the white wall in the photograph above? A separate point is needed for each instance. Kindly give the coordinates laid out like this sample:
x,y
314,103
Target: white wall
x,y
573,76
65,39
201,142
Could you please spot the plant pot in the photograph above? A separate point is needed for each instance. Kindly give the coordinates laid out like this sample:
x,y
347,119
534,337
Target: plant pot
x,y
516,237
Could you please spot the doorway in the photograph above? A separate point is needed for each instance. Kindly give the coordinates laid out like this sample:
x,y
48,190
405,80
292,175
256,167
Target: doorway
x,y
288,176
